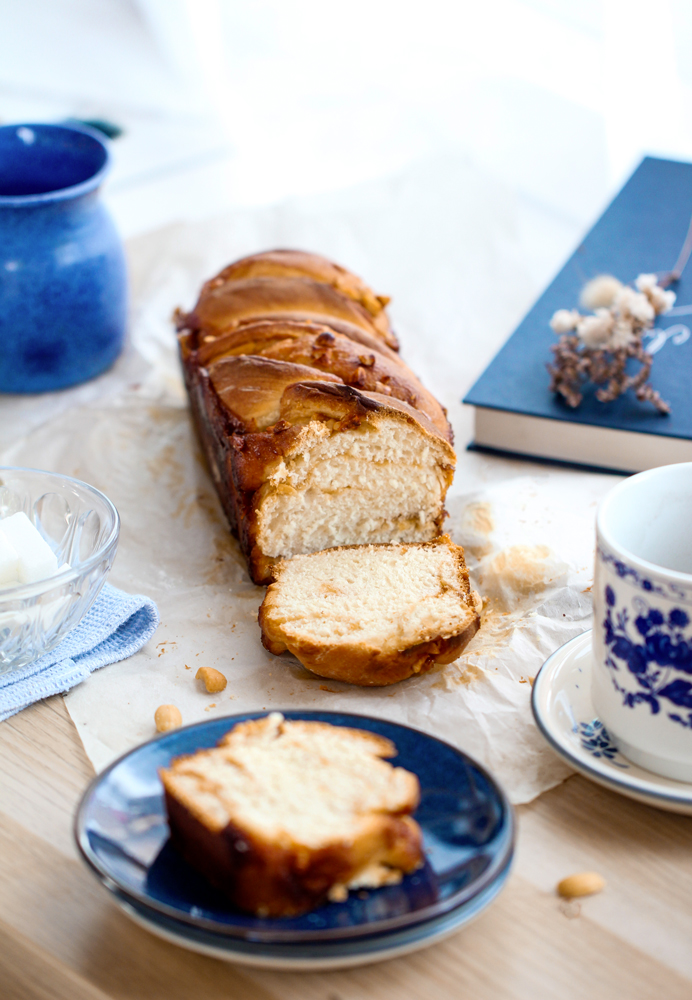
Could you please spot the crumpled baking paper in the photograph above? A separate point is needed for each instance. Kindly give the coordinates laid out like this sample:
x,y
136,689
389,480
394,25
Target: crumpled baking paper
x,y
528,533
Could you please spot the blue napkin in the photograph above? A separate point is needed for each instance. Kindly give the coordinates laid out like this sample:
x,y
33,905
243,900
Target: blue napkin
x,y
116,626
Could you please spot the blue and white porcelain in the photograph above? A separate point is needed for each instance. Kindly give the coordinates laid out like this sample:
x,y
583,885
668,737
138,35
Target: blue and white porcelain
x,y
63,286
467,825
642,681
566,716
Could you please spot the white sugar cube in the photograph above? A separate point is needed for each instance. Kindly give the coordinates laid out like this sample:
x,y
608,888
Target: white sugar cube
x,y
9,563
37,561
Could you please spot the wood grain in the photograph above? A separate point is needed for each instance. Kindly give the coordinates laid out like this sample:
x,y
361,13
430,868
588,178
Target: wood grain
x,y
43,771
28,972
61,936
522,947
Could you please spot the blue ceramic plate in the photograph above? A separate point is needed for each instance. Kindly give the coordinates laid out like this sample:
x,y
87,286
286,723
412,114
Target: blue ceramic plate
x,y
321,954
467,824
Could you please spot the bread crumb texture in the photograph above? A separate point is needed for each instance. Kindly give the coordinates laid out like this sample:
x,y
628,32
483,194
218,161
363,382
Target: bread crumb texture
x,y
382,481
282,813
371,614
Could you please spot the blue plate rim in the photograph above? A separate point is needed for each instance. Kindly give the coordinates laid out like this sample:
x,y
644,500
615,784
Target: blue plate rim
x,y
455,919
294,936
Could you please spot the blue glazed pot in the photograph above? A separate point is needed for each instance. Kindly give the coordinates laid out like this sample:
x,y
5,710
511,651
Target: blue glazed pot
x,y
63,283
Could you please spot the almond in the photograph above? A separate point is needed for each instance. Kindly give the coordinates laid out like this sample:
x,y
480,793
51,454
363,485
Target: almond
x,y
580,884
214,680
167,717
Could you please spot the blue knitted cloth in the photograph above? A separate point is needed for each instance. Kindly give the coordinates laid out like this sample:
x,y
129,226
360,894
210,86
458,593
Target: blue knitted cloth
x,y
116,626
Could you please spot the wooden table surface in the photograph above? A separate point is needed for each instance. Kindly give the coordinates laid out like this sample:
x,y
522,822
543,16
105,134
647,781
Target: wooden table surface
x,y
61,937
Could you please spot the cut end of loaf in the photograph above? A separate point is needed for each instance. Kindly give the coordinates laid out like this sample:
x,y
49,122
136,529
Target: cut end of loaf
x,y
374,614
281,814
380,479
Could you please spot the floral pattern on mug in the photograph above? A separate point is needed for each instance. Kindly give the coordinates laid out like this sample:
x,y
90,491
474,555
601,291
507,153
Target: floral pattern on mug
x,y
668,589
655,651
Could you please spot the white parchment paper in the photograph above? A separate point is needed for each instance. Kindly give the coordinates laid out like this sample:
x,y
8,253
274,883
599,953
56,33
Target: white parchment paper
x,y
528,532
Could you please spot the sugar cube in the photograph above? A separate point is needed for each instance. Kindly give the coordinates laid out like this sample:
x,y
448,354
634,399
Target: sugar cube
x,y
36,559
9,563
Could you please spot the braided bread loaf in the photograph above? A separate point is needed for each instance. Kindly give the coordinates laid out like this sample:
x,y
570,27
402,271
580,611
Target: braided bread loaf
x,y
317,433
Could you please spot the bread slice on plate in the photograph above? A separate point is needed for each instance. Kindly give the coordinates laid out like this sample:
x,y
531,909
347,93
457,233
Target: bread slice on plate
x,y
283,815
371,614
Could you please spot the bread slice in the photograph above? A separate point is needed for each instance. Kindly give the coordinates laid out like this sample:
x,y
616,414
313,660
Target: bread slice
x,y
282,815
371,614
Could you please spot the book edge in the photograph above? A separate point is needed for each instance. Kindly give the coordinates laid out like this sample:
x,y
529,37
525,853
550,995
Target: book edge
x,y
543,438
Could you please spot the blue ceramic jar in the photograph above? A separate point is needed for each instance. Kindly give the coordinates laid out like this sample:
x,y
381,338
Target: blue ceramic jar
x,y
63,285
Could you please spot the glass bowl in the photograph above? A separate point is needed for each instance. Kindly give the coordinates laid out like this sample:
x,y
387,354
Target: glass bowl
x,y
81,525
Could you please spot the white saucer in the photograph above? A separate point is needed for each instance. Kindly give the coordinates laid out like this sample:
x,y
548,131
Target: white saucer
x,y
564,713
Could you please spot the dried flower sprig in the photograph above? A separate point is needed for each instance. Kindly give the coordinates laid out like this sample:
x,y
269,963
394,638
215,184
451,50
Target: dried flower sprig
x,y
598,346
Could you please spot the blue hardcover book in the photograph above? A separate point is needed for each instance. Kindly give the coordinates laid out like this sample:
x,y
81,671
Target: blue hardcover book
x,y
642,231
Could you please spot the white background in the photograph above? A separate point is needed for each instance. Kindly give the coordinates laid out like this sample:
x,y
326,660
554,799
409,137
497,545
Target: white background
x,y
230,103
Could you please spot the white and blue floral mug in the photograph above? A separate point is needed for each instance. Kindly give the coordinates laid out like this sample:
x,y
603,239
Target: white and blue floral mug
x,y
642,638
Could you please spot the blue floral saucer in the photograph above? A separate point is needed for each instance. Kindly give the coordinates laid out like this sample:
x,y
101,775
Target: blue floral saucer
x,y
565,715
467,824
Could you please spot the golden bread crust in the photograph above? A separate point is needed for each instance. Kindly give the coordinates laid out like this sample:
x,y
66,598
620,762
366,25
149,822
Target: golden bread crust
x,y
277,881
251,388
326,352
299,264
235,302
374,743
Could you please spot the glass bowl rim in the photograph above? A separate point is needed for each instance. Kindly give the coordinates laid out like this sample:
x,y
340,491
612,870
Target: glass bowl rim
x,y
24,590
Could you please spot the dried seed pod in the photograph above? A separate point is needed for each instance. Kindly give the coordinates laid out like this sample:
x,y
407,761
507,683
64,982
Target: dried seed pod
x,y
214,680
600,348
580,884
167,717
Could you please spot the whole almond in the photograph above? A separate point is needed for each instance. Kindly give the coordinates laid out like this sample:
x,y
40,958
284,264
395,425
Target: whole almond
x,y
167,717
580,884
214,680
